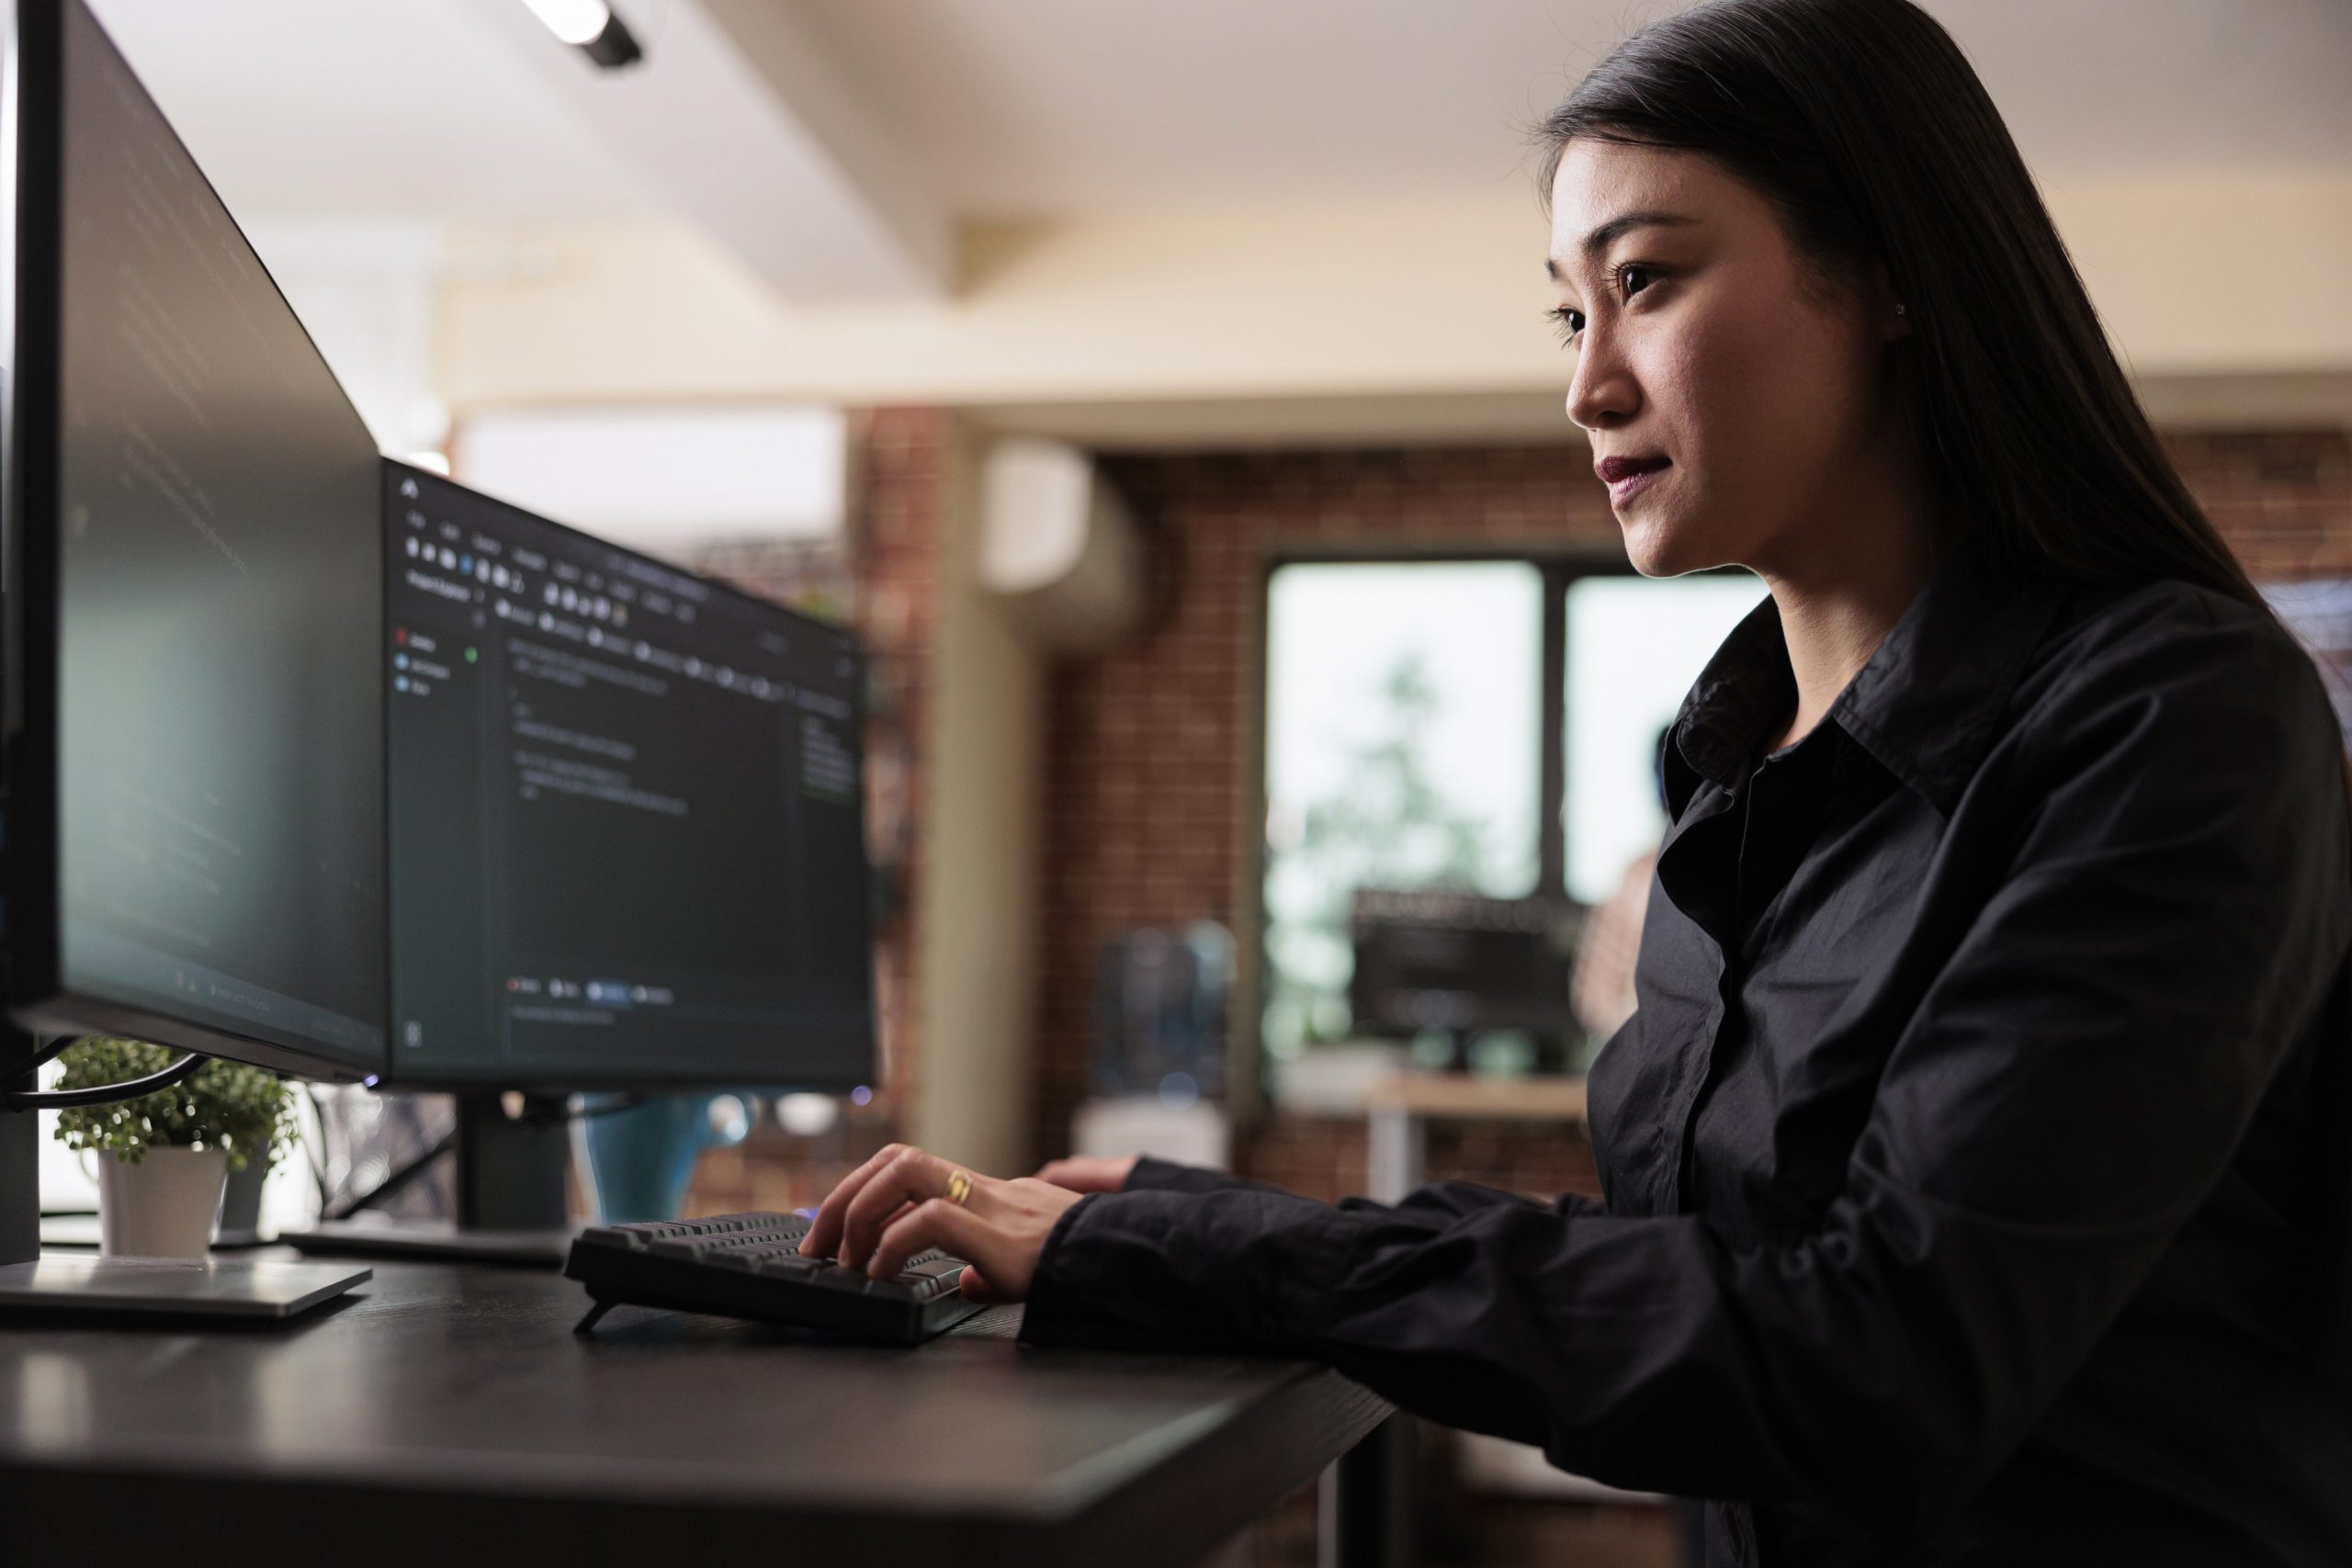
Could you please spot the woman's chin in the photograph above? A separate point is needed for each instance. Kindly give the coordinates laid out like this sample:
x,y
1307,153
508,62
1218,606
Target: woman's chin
x,y
1656,549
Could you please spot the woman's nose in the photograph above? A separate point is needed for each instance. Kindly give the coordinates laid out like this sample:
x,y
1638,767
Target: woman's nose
x,y
1602,393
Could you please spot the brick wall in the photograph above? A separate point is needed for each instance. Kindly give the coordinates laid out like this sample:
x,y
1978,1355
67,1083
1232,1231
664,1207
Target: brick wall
x,y
2283,500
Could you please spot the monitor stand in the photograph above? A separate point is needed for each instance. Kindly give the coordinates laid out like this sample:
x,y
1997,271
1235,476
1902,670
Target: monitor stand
x,y
512,1195
78,1285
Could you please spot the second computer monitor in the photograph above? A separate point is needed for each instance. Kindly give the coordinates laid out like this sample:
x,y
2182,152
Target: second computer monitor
x,y
627,816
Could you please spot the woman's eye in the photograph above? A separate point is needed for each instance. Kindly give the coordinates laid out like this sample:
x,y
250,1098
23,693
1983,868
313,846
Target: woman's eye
x,y
1631,278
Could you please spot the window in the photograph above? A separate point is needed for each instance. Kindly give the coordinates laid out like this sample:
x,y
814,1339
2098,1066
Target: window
x,y
1402,734
1478,727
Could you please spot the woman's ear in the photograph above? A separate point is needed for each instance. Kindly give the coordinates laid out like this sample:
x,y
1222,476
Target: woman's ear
x,y
1891,313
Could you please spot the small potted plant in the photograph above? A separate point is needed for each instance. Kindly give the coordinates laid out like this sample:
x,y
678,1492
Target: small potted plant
x,y
167,1154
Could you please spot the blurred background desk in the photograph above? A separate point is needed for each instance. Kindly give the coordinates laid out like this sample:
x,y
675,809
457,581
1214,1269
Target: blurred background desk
x,y
448,1413
1400,1110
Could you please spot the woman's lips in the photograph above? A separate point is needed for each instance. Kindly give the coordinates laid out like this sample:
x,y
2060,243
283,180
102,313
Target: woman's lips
x,y
1628,477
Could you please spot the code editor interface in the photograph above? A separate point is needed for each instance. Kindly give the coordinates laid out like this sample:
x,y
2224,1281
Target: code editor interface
x,y
627,815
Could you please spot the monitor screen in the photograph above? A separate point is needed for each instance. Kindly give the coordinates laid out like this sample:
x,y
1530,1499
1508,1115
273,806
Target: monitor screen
x,y
1434,959
196,608
627,816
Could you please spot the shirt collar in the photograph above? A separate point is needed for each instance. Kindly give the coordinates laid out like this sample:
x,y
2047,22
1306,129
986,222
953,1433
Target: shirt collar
x,y
1926,705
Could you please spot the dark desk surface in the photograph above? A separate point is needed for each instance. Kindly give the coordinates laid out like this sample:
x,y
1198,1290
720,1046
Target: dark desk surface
x,y
446,1413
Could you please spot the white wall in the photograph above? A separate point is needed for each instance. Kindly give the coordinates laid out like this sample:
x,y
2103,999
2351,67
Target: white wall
x,y
2209,280
367,289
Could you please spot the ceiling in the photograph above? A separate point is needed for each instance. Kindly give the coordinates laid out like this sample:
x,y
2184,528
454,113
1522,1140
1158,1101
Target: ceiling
x,y
382,107
1028,107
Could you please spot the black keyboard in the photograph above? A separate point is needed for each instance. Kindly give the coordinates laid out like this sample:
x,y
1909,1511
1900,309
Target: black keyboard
x,y
750,1266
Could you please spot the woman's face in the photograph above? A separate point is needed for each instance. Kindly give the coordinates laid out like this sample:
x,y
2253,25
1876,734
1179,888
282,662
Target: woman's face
x,y
1701,341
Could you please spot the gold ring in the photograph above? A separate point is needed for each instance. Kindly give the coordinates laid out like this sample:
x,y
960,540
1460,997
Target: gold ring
x,y
959,1186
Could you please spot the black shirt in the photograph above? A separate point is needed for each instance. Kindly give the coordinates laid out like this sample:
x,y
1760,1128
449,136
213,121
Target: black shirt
x,y
1978,1161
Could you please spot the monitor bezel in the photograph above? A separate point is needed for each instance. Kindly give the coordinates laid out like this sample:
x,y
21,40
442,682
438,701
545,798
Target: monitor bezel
x,y
441,1078
37,996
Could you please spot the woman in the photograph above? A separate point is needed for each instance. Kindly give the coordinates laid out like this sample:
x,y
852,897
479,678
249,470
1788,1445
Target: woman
x,y
1979,1158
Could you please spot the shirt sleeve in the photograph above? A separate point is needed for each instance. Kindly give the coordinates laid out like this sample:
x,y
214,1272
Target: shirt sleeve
x,y
2071,1088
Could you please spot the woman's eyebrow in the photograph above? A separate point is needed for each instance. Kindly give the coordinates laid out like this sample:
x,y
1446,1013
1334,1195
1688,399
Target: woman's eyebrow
x,y
1625,223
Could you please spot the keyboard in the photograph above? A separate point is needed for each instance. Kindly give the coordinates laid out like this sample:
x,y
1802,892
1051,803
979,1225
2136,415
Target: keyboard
x,y
750,1266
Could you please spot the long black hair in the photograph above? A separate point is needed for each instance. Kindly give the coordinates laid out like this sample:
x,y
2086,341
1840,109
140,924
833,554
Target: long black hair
x,y
1863,125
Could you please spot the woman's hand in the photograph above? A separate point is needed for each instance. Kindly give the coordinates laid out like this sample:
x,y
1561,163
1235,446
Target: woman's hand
x,y
896,1205
1088,1173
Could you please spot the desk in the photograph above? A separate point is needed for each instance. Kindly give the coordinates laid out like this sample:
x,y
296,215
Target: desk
x,y
1398,1111
444,1415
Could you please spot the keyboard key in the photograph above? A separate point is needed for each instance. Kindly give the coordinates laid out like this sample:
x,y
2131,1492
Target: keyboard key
x,y
740,1262
628,1237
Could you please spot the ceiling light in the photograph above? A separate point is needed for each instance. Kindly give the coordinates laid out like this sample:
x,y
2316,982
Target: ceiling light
x,y
591,26
573,21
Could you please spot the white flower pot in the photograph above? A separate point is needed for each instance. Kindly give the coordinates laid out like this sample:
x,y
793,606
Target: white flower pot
x,y
162,1207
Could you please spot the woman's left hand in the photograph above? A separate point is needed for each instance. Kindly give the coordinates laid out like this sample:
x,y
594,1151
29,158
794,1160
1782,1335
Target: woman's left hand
x,y
897,1204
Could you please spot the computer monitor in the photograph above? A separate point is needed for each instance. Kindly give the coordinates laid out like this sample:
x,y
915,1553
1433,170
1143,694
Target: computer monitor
x,y
1455,964
627,816
195,830
628,844
193,757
